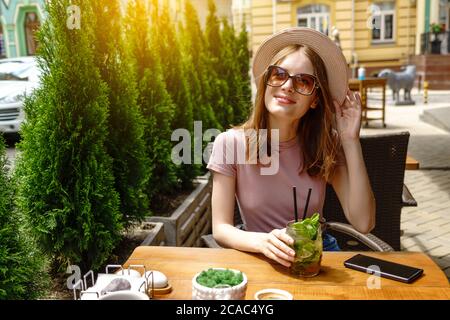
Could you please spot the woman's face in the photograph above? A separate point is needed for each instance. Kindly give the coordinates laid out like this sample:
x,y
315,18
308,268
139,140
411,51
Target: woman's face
x,y
284,103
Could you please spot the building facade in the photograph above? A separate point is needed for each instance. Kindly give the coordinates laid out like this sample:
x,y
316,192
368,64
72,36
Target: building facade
x,y
372,33
19,20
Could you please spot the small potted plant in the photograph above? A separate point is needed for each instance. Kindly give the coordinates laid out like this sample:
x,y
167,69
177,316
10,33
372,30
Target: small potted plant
x,y
436,29
219,284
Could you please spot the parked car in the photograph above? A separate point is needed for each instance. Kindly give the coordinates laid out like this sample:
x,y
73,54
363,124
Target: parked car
x,y
18,78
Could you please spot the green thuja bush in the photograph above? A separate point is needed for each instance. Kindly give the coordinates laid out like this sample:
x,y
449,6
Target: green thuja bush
x,y
65,177
125,142
243,61
196,63
218,69
235,67
176,79
22,266
154,100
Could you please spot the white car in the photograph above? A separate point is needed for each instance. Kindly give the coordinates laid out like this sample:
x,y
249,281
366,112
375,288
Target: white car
x,y
18,78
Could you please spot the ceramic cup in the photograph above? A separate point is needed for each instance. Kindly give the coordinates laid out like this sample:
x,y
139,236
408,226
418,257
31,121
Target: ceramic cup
x,y
273,294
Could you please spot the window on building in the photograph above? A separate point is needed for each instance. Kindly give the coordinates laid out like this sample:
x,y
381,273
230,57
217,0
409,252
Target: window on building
x,y
2,43
444,13
315,16
383,21
31,26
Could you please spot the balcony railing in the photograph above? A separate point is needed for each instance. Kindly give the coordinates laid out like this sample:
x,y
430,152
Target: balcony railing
x,y
435,43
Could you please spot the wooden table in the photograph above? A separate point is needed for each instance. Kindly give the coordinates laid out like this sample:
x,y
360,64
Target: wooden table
x,y
180,264
361,86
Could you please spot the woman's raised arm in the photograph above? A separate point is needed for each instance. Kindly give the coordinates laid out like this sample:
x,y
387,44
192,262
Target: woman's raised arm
x,y
351,181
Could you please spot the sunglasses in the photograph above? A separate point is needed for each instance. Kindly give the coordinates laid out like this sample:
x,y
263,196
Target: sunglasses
x,y
303,83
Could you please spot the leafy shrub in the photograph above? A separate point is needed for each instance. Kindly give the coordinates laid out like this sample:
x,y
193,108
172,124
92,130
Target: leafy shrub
x,y
66,183
125,143
22,267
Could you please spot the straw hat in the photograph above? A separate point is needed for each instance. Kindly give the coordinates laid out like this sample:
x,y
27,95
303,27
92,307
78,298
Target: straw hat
x,y
331,54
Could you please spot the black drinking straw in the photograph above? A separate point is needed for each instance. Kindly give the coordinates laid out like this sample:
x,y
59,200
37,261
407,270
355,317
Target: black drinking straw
x,y
307,203
294,191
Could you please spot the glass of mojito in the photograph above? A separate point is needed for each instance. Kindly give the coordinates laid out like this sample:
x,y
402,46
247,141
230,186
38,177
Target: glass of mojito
x,y
307,245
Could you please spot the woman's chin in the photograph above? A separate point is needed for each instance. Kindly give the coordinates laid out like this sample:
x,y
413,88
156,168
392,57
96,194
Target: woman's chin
x,y
281,110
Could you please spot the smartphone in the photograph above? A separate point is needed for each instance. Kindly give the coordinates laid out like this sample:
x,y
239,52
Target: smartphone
x,y
383,268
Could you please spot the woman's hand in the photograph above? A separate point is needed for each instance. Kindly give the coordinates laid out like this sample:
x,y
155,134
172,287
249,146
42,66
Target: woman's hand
x,y
275,245
348,117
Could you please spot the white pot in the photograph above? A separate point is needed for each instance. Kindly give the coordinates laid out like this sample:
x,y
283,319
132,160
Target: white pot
x,y
236,292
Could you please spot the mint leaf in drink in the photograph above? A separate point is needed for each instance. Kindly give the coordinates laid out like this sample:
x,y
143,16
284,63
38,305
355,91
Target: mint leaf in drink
x,y
309,227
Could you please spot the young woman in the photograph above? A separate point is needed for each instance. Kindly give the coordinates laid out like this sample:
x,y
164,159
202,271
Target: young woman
x,y
302,93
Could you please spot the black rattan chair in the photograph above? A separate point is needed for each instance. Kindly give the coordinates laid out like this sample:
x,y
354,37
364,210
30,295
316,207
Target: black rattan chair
x,y
385,158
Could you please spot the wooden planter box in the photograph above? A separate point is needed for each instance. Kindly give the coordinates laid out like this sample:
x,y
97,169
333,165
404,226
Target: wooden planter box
x,y
192,219
156,236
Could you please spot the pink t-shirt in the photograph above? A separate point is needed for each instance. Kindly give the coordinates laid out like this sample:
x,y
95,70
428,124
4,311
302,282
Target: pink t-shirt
x,y
266,201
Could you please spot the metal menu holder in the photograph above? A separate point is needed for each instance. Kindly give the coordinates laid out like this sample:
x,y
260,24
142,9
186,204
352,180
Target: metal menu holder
x,y
139,283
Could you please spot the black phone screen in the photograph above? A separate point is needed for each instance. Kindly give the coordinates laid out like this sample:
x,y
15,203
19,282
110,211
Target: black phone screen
x,y
383,268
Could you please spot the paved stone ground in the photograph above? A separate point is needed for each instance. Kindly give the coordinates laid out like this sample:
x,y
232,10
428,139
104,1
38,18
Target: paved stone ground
x,y
426,227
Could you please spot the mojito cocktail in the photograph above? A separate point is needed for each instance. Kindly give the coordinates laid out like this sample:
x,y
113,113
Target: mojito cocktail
x,y
307,245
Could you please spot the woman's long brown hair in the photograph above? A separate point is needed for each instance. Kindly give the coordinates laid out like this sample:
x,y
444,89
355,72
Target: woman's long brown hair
x,y
315,130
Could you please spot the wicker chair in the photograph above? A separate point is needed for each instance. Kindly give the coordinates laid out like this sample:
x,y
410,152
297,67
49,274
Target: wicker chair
x,y
385,157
